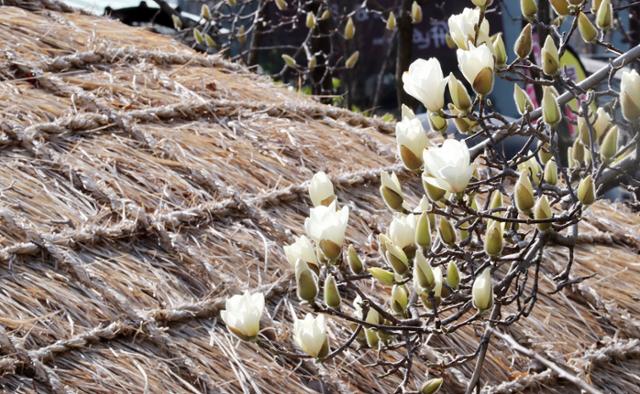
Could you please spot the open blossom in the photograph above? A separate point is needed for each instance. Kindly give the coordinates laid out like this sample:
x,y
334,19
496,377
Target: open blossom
x,y
321,189
326,224
462,28
301,249
411,139
426,83
242,314
630,95
477,65
402,230
449,166
310,334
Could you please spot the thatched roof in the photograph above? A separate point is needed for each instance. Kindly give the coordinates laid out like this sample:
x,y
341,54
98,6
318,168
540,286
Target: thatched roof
x,y
142,183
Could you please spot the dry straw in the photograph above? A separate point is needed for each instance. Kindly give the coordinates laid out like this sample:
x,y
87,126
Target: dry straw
x,y
140,187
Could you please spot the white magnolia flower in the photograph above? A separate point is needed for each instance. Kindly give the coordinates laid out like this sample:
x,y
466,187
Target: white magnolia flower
x,y
242,314
411,137
310,334
630,95
402,230
321,189
426,83
477,65
302,249
449,166
482,291
325,223
462,28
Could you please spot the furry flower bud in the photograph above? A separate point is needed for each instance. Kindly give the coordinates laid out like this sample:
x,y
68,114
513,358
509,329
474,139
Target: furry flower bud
x,y
331,294
524,193
587,189
482,291
307,288
494,239
349,29
541,211
587,30
522,47
550,57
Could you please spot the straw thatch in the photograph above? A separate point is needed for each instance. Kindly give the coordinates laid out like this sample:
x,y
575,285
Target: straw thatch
x,y
142,183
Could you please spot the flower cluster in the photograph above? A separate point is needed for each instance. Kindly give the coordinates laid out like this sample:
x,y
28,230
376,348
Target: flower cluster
x,y
469,242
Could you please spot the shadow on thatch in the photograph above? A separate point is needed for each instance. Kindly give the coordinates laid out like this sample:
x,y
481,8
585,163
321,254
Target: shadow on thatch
x,y
142,183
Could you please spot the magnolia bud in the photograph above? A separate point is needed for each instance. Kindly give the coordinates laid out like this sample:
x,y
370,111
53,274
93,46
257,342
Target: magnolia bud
x,y
494,239
543,153
331,294
399,299
431,386
391,191
551,112
604,16
542,210
312,62
198,37
453,275
578,151
595,4
446,232
423,231
416,13
551,172
609,145
462,123
281,4
289,61
550,57
326,14
383,276
437,122
529,9
311,21
321,189
307,288
383,241
522,100
355,264
587,188
433,192
499,50
482,291
373,317
209,41
177,22
231,2
630,95
349,29
205,12
587,30
561,7
352,60
522,47
422,272
459,95
397,258
391,21
496,200
524,193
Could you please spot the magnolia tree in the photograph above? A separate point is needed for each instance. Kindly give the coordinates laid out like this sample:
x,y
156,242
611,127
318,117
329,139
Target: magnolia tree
x,y
469,252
